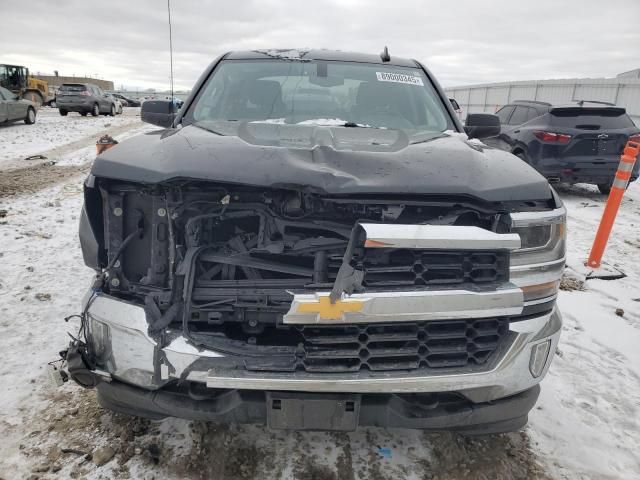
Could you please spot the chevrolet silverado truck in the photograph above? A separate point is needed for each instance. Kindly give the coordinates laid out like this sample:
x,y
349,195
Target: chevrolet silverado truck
x,y
314,241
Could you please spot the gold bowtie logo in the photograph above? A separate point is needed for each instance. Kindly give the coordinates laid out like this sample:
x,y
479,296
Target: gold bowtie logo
x,y
330,311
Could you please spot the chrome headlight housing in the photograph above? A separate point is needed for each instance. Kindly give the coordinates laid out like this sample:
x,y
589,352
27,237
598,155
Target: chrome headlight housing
x,y
100,340
537,265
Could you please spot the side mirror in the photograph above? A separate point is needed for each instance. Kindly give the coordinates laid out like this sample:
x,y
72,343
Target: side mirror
x,y
158,112
482,125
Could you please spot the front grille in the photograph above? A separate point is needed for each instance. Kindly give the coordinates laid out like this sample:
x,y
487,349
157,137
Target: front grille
x,y
384,347
404,267
382,267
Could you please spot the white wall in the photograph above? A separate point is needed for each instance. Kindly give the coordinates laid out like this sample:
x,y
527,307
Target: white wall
x,y
489,97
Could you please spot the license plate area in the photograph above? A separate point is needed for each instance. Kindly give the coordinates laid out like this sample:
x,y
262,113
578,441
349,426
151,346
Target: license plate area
x,y
306,411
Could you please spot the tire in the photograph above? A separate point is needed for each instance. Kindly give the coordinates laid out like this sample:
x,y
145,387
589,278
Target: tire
x,y
30,119
95,110
112,112
522,156
63,112
84,114
35,97
604,188
120,110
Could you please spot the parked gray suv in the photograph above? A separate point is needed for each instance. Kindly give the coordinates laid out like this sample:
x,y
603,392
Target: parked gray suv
x,y
84,98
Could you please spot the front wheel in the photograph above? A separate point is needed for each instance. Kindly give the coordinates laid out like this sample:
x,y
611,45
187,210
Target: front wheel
x,y
120,110
112,112
605,188
95,111
63,112
30,119
35,97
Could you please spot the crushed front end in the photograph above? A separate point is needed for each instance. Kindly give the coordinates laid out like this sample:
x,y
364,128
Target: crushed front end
x,y
236,303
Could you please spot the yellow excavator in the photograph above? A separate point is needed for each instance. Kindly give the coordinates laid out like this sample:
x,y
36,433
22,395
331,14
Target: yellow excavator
x,y
16,78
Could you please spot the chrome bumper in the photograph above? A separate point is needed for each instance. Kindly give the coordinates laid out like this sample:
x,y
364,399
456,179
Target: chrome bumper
x,y
508,375
118,333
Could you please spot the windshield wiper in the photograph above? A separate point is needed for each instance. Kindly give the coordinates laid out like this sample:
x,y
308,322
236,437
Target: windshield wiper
x,y
428,137
200,125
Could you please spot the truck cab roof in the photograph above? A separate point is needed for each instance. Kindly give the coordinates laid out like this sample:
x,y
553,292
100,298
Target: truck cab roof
x,y
315,55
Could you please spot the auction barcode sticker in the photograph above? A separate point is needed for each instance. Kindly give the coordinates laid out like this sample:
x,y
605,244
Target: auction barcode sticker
x,y
399,78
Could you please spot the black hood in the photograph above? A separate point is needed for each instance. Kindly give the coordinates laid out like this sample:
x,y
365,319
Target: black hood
x,y
447,164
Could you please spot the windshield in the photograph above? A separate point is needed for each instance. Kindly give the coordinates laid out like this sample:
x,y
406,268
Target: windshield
x,y
312,93
591,118
72,88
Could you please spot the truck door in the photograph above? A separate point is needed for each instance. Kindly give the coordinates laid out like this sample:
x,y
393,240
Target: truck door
x,y
17,109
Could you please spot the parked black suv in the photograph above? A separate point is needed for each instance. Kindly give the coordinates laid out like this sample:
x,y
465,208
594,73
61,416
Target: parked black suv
x,y
575,143
130,102
84,98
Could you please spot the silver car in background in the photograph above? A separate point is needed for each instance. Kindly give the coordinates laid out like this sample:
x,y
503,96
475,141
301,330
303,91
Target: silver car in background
x,y
117,101
14,109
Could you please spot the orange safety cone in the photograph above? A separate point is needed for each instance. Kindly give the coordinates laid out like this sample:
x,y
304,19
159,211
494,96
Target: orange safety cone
x,y
105,143
620,182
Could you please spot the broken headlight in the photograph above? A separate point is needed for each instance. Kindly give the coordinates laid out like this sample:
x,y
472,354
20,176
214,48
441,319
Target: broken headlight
x,y
537,265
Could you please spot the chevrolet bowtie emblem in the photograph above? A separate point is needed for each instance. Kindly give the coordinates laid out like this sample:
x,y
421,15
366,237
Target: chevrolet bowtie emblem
x,y
330,311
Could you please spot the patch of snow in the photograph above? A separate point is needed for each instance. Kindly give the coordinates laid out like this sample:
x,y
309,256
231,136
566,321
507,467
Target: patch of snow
x,y
51,130
279,121
286,54
587,421
87,154
320,122
324,122
460,135
476,142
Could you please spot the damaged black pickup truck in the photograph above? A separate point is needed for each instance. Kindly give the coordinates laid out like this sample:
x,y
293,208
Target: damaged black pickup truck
x,y
314,241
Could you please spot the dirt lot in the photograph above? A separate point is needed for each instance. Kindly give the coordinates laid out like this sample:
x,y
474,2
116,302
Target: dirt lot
x,y
585,424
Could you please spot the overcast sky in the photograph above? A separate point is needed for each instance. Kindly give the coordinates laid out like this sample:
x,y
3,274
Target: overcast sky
x,y
461,41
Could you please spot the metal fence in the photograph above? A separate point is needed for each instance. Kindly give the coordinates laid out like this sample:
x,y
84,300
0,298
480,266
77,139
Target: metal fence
x,y
489,97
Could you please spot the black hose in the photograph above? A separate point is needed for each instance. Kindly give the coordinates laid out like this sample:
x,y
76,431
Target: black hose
x,y
124,244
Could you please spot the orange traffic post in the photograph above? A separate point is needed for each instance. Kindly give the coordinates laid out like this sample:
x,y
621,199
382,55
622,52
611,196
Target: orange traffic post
x,y
620,182
105,143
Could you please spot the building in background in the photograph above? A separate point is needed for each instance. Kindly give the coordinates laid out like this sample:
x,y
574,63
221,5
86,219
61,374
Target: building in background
x,y
630,74
55,81
623,90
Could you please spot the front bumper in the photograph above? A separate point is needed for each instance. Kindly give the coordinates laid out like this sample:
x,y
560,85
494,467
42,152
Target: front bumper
x,y
118,332
378,410
75,106
597,170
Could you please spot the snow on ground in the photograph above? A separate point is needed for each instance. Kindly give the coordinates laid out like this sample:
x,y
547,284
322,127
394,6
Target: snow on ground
x,y
585,424
18,140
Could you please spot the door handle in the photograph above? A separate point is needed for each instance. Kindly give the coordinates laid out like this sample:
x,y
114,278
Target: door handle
x,y
516,131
